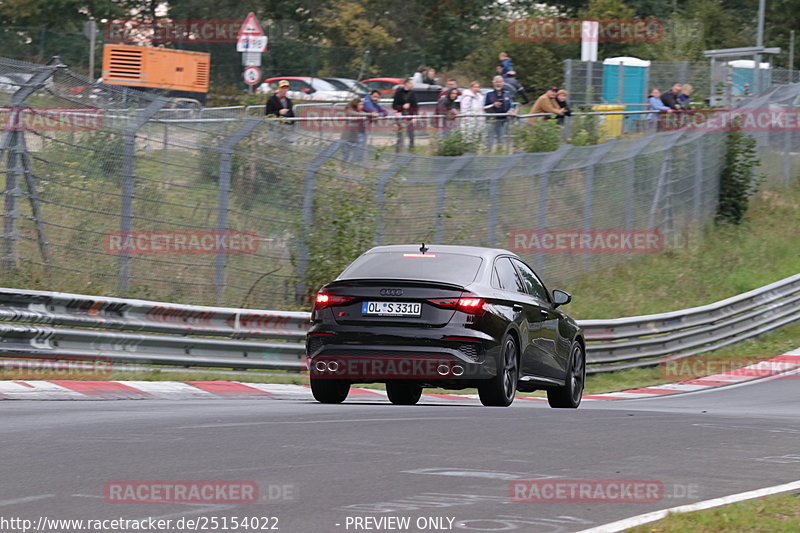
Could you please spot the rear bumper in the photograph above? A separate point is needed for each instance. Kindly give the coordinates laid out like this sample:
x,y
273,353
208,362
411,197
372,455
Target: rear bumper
x,y
366,363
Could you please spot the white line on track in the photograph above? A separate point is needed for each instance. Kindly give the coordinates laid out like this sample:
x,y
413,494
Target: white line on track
x,y
634,521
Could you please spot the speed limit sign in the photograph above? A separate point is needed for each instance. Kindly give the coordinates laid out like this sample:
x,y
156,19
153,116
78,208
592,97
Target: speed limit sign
x,y
252,75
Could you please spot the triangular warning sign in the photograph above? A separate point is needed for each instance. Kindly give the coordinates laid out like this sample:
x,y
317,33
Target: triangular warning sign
x,y
251,26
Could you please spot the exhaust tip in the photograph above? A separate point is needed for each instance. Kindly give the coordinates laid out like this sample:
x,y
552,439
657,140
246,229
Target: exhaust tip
x,y
458,370
443,370
333,366
321,366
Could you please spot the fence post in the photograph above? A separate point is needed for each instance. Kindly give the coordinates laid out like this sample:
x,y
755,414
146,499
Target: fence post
x,y
588,189
699,151
452,169
12,145
308,218
494,192
630,179
568,75
128,169
787,162
380,193
223,193
549,164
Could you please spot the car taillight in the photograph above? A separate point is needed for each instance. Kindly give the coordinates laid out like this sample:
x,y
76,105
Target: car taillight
x,y
472,306
328,300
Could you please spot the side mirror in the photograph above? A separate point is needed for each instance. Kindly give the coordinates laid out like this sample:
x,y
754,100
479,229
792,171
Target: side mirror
x,y
561,297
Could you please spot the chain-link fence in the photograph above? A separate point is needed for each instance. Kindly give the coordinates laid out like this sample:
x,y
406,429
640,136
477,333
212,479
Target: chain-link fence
x,y
120,195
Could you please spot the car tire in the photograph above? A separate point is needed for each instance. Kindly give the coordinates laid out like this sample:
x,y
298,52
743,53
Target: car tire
x,y
569,396
403,392
499,391
329,390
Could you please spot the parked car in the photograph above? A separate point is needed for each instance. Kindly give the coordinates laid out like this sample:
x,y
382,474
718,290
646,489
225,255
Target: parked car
x,y
444,316
346,84
386,86
307,88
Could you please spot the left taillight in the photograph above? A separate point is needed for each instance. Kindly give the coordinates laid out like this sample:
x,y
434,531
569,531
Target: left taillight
x,y
324,300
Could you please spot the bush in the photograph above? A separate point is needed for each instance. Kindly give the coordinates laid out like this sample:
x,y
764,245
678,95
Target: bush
x,y
738,181
585,130
538,136
455,144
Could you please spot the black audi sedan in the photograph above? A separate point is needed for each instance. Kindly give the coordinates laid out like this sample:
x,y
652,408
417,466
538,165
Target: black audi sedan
x,y
450,317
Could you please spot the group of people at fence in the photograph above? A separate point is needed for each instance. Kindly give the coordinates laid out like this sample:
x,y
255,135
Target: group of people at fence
x,y
670,107
469,112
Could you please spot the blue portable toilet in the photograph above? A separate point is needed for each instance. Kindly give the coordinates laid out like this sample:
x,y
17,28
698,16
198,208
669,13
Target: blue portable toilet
x,y
742,76
625,80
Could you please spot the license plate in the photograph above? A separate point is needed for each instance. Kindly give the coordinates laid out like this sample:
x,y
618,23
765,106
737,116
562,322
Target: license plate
x,y
391,308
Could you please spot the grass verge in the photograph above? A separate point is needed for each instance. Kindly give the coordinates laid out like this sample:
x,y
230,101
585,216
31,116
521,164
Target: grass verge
x,y
777,514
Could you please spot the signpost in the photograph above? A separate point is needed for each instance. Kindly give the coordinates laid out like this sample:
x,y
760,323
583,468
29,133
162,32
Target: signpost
x,y
251,42
252,75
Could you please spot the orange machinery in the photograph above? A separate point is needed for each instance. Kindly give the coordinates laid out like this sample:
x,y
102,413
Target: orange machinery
x,y
177,72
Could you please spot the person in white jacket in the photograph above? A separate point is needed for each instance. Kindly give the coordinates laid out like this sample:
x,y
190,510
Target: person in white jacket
x,y
472,104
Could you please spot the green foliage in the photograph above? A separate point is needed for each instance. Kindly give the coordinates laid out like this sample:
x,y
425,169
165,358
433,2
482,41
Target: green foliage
x,y
738,181
455,144
343,229
586,130
538,136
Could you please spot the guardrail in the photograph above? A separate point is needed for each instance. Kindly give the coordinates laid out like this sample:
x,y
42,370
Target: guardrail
x,y
53,325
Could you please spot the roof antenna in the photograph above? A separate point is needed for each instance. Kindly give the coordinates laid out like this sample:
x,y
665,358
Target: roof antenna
x,y
423,249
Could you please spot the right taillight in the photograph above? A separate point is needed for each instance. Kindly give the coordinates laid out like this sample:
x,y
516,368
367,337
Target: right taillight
x,y
472,306
324,300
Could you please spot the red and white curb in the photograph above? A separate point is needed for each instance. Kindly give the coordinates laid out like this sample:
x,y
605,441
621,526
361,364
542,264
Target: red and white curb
x,y
174,390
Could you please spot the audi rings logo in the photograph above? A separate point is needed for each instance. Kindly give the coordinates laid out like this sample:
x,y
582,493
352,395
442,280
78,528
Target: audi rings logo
x,y
391,292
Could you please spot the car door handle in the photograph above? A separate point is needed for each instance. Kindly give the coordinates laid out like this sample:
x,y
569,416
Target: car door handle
x,y
517,308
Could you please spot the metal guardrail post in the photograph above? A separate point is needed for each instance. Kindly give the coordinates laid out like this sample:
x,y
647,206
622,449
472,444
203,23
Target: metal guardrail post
x,y
308,218
380,193
128,169
225,165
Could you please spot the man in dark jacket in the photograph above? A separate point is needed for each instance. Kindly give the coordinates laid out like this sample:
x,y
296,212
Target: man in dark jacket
x,y
513,86
279,105
497,101
670,98
405,104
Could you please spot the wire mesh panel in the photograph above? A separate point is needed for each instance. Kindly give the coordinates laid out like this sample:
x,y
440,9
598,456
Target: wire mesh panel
x,y
110,191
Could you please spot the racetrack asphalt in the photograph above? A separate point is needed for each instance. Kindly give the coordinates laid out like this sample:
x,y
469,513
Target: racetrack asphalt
x,y
320,468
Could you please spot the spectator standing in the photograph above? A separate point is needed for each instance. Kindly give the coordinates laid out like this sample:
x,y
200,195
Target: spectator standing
x,y
447,106
506,65
561,100
472,104
657,105
513,85
372,103
670,98
405,106
451,83
546,103
280,105
425,77
685,96
497,102
354,133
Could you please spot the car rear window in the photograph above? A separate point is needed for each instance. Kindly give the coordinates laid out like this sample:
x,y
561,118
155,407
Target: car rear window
x,y
459,269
